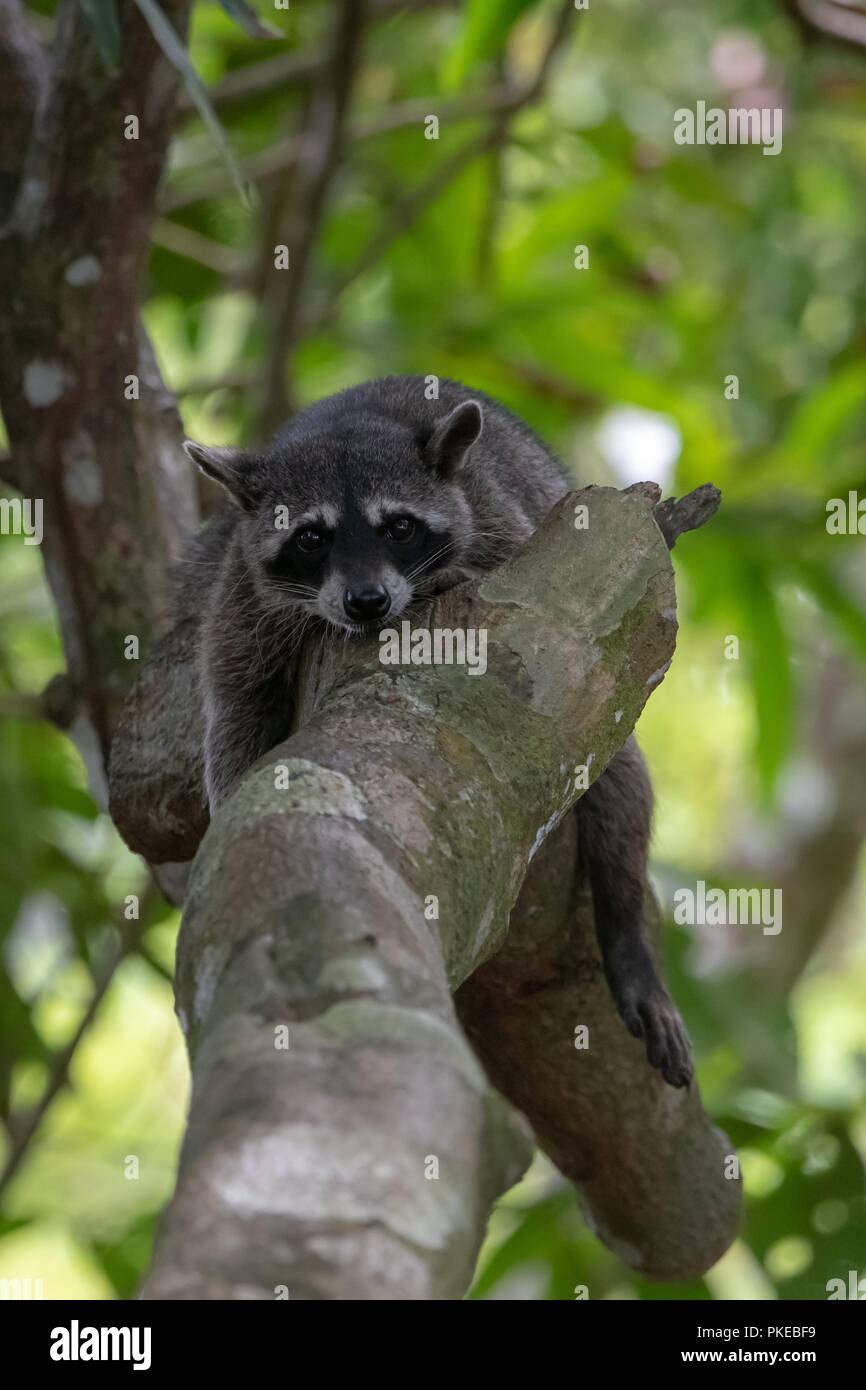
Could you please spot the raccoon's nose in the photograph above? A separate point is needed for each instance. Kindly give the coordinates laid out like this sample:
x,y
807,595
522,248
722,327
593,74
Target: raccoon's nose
x,y
370,601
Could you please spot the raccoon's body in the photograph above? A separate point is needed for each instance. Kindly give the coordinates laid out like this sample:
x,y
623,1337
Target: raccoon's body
x,y
364,501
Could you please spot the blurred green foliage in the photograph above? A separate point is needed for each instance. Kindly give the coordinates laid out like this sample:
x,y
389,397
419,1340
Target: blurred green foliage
x,y
704,263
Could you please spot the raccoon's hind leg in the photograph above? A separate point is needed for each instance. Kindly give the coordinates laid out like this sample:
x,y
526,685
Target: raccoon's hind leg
x,y
614,827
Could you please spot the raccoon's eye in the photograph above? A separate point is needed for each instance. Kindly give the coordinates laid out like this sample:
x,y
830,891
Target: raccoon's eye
x,y
400,529
311,539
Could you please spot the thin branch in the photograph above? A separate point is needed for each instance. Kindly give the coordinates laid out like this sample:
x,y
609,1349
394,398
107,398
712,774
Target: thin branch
x,y
404,213
213,182
501,98
239,379
501,101
546,385
407,210
257,79
23,1133
316,166
558,35
184,241
290,69
492,202
284,154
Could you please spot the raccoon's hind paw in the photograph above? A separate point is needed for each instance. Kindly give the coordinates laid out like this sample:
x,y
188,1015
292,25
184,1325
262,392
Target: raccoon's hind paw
x,y
653,1016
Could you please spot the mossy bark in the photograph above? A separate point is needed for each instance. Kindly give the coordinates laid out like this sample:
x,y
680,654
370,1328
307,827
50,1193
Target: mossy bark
x,y
373,865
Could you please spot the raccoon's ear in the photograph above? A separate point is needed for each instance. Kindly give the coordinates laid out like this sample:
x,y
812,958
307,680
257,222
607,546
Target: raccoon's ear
x,y
231,468
453,437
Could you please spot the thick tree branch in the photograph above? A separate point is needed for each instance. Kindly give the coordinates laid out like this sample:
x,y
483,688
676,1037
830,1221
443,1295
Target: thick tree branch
x,y
649,1166
305,1167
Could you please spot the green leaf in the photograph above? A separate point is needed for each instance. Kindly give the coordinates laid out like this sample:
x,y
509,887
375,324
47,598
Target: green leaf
x,y
10,1224
249,21
823,413
124,1261
177,55
528,1242
19,1039
101,15
821,1165
486,26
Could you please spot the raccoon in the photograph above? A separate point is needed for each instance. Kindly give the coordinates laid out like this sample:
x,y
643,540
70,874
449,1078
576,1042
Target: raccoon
x,y
362,503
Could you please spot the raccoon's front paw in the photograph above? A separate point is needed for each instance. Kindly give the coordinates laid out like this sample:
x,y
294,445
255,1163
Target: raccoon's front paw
x,y
651,1015
442,580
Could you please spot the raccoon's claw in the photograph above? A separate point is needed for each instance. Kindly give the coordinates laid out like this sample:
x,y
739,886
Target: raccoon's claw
x,y
653,1017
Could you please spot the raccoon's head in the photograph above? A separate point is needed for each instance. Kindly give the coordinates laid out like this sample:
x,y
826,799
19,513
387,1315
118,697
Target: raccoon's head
x,y
353,521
